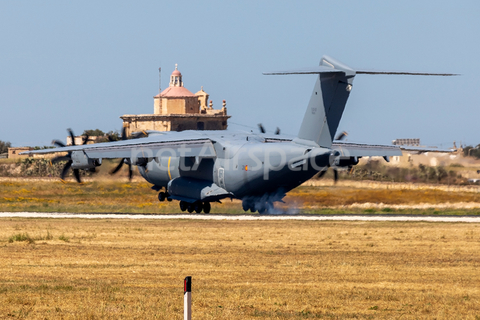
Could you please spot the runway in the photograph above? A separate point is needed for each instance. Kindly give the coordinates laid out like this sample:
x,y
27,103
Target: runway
x,y
316,217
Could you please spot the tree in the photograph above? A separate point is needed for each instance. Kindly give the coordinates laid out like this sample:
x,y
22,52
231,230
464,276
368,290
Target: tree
x,y
441,173
106,137
92,133
4,146
470,151
114,135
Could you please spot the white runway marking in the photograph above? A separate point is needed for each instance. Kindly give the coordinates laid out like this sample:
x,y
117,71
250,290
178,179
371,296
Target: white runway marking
x,y
470,219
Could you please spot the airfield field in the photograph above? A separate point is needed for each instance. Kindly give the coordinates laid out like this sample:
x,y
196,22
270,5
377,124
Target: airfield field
x,y
134,269
314,197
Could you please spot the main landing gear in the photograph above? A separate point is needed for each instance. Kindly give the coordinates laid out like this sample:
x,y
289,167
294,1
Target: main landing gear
x,y
260,206
197,206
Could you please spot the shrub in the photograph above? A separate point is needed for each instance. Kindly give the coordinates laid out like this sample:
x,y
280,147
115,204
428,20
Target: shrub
x,y
456,165
21,237
64,238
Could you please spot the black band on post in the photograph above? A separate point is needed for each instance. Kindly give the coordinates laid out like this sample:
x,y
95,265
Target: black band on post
x,y
187,284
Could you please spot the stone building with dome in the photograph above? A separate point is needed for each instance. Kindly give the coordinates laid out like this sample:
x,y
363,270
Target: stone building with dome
x,y
178,109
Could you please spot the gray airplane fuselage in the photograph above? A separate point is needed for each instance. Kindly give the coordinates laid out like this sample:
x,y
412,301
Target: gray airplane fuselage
x,y
243,164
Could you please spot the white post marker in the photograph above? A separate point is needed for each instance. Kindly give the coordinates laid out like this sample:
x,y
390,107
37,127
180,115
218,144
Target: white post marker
x,y
187,298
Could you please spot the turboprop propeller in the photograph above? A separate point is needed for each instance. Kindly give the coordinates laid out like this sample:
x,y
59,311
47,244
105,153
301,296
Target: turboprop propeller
x,y
68,157
123,160
262,129
126,161
340,137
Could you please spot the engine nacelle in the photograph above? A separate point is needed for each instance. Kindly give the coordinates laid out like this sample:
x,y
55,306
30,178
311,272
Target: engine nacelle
x,y
346,161
81,161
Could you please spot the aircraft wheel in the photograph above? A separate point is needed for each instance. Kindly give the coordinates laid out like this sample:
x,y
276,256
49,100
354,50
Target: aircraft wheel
x,y
198,206
207,207
161,196
261,207
183,206
246,205
190,208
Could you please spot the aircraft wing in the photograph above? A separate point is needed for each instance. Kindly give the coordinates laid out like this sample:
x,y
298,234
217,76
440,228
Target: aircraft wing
x,y
153,146
425,149
350,149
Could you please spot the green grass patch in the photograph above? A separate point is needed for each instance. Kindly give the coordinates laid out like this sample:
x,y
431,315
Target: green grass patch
x,y
20,237
64,238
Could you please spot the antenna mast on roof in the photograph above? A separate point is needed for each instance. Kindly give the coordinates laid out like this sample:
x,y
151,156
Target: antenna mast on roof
x,y
159,80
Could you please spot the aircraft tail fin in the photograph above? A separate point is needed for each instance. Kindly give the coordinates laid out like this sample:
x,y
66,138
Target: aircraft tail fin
x,y
327,102
330,96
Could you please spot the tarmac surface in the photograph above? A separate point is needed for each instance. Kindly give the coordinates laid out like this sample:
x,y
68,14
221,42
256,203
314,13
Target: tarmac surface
x,y
313,217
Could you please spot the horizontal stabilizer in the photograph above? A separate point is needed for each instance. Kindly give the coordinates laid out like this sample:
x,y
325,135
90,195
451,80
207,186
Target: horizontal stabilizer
x,y
324,69
311,70
406,73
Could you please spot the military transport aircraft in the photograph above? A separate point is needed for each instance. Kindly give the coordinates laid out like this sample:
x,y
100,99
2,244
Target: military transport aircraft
x,y
201,167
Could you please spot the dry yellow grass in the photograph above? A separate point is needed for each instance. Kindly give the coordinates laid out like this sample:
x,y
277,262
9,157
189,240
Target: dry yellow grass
x,y
111,269
118,195
105,195
335,196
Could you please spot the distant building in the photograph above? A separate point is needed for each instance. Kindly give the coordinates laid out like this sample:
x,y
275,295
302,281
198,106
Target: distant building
x,y
406,142
414,154
13,153
178,109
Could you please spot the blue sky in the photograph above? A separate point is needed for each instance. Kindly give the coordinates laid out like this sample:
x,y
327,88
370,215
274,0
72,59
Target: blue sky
x,y
83,64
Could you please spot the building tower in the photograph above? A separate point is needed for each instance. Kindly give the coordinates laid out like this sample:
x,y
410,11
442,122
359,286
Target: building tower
x,y
178,109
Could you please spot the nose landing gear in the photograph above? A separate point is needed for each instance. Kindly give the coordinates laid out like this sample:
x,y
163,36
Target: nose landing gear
x,y
162,196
